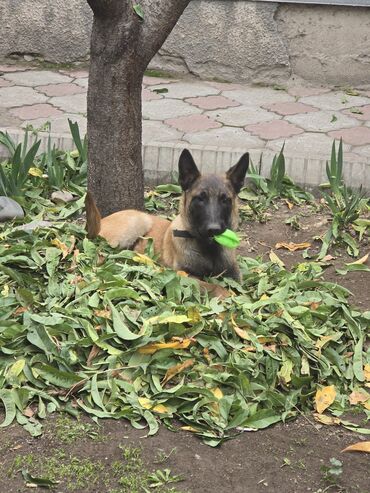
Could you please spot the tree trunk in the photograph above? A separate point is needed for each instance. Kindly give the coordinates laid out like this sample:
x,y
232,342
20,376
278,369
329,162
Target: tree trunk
x,y
121,47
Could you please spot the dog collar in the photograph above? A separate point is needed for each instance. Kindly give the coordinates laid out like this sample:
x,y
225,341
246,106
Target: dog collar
x,y
182,233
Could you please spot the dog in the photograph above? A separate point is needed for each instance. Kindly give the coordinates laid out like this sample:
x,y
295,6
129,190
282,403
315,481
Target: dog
x,y
208,206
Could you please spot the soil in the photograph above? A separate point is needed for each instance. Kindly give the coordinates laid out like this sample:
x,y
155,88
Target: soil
x,y
284,458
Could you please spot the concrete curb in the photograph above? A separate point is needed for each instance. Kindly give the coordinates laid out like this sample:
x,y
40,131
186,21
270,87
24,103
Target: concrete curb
x,y
160,161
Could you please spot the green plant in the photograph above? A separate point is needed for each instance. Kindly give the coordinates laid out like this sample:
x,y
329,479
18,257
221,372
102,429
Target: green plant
x,y
333,472
14,173
345,206
52,163
278,185
163,477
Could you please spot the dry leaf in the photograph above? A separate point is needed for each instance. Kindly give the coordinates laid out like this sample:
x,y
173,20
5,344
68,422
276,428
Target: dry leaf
x,y
143,259
175,370
188,428
19,311
243,334
328,258
289,204
148,404
28,412
367,372
217,392
275,259
360,261
324,398
314,305
292,247
326,420
358,397
103,313
182,273
62,246
358,447
156,346
95,350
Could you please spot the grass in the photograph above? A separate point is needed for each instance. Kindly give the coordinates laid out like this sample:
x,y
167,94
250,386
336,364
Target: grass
x,y
71,472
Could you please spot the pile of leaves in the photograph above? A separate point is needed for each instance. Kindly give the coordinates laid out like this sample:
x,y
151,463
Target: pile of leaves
x,y
85,327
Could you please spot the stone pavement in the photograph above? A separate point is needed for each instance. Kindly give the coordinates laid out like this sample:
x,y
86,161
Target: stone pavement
x,y
216,120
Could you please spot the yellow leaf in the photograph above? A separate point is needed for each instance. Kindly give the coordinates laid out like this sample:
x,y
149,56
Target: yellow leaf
x,y
367,405
188,428
217,392
103,313
156,346
160,408
289,204
264,297
194,315
145,402
326,420
367,372
275,259
292,247
35,172
361,260
285,372
175,370
358,447
5,290
182,273
320,343
243,334
143,259
16,369
324,398
358,397
62,246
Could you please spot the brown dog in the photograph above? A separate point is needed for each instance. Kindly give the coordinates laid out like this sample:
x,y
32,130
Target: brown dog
x,y
208,207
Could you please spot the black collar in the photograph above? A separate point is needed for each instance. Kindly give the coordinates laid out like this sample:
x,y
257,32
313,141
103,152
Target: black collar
x,y
182,234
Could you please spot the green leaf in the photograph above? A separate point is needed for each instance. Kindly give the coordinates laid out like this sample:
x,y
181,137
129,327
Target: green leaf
x,y
138,10
36,481
262,419
9,405
57,377
228,239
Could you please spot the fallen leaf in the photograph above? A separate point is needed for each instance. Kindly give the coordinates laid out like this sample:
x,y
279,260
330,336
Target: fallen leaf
x,y
358,447
149,404
175,370
19,311
328,258
143,259
324,398
289,204
156,346
326,420
367,372
28,412
217,392
182,273
360,261
292,247
188,428
103,313
275,259
35,172
62,246
95,350
358,397
314,305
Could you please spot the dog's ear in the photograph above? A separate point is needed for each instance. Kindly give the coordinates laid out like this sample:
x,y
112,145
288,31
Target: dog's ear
x,y
236,174
188,171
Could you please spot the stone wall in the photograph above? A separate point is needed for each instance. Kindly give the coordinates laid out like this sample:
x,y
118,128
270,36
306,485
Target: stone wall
x,y
232,40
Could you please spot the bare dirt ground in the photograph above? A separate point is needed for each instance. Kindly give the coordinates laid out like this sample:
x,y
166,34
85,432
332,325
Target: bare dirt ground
x,y
284,458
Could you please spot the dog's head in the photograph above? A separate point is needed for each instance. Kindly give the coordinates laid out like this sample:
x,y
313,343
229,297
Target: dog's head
x,y
209,204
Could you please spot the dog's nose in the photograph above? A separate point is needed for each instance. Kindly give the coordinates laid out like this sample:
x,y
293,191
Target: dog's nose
x,y
214,230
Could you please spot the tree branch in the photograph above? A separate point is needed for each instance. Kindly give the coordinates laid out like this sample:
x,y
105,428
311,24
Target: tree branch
x,y
160,17
107,8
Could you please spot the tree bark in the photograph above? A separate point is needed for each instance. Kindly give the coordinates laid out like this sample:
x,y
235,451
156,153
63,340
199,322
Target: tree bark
x,y
121,47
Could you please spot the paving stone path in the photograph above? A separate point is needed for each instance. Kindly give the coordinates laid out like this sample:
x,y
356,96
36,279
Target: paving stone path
x,y
207,114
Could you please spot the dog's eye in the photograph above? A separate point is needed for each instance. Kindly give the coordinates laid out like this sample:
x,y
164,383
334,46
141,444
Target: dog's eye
x,y
225,198
202,197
